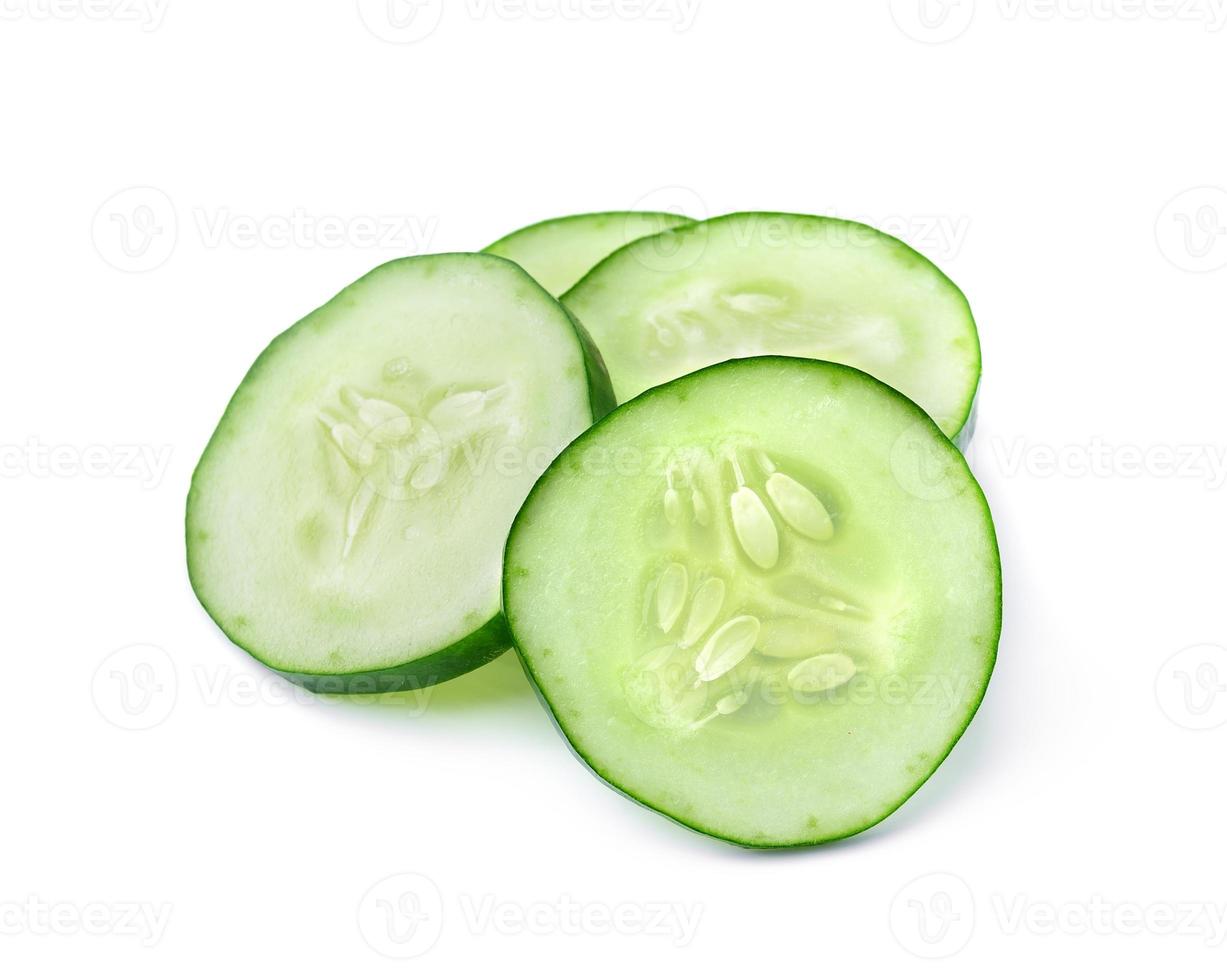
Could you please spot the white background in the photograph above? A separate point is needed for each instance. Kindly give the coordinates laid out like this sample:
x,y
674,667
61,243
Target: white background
x,y
1059,161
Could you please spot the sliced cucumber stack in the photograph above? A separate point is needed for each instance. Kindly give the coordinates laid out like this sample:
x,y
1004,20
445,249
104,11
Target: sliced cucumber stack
x,y
764,599
346,522
761,283
557,253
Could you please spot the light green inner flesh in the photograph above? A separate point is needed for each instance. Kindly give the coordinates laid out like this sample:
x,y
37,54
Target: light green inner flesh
x,y
758,627
559,253
783,284
351,511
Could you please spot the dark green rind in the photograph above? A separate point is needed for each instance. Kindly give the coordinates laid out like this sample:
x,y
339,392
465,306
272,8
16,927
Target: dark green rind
x,y
478,648
601,397
968,432
961,438
475,650
592,766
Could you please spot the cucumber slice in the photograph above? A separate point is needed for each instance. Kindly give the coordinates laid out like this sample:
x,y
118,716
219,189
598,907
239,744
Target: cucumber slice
x,y
763,600
807,286
346,522
557,253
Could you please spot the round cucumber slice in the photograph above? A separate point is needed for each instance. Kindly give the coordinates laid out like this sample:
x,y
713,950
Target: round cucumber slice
x,y
806,286
763,600
557,253
346,522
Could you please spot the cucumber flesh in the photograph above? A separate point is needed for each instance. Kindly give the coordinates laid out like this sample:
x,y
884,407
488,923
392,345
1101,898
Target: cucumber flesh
x,y
763,600
806,286
346,522
557,253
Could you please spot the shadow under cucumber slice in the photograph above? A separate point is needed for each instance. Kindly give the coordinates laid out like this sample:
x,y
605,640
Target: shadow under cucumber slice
x,y
763,600
560,251
800,285
345,524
